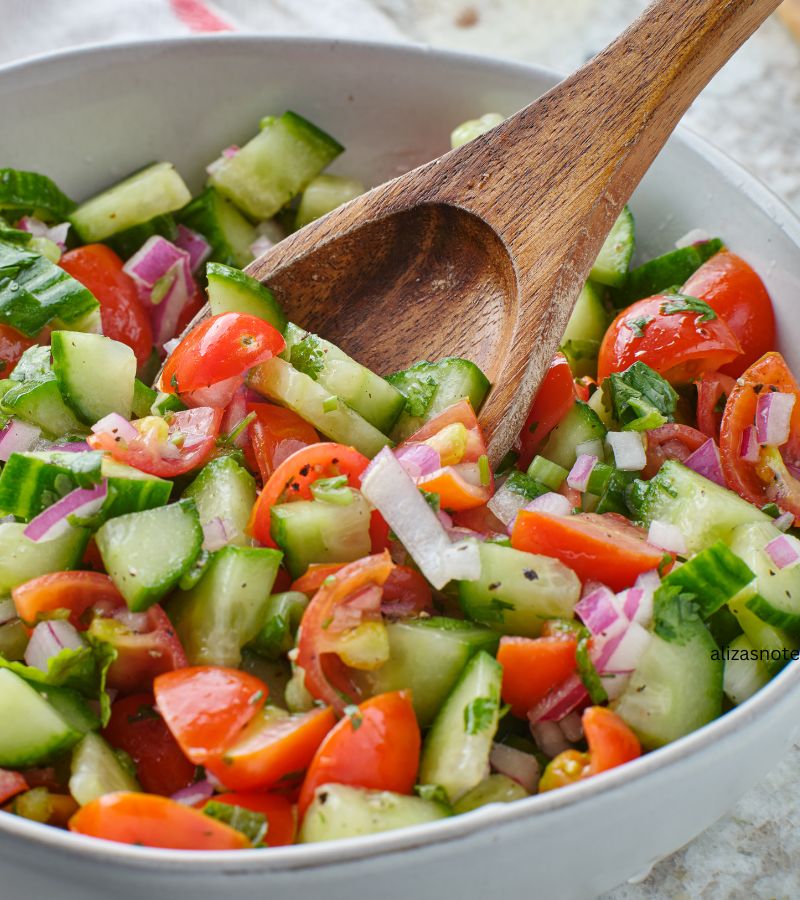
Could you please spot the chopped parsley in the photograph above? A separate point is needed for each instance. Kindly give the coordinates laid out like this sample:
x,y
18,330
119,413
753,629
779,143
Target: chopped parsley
x,y
307,356
680,303
479,715
637,324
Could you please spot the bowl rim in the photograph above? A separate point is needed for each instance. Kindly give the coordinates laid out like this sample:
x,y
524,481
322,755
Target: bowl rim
x,y
314,856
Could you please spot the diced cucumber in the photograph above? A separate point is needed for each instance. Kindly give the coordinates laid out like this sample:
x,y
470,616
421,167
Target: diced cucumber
x,y
277,380
429,388
143,399
226,608
580,424
150,192
772,641
339,811
324,194
29,192
230,290
166,403
371,396
472,128
611,265
456,751
33,732
585,330
222,225
73,707
282,615
518,592
22,559
670,270
745,674
494,789
427,656
549,474
274,166
225,490
126,243
95,374
146,553
704,511
675,689
315,531
96,770
41,403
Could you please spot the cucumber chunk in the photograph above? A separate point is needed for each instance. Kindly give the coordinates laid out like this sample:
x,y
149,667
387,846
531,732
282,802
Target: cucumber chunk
x,y
222,225
95,374
151,192
29,192
146,553
277,380
339,811
585,330
143,399
744,674
230,290
324,194
226,608
282,615
274,166
774,642
456,751
670,270
611,265
41,403
22,559
494,789
96,770
518,592
33,732
427,656
225,490
126,243
580,424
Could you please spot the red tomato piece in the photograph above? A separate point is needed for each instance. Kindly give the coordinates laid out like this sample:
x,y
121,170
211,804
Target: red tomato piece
x,y
223,346
275,434
605,547
480,519
713,390
12,345
11,784
123,317
205,707
678,345
670,441
406,593
147,820
734,291
553,400
76,592
191,308
611,742
281,821
532,667
139,730
376,747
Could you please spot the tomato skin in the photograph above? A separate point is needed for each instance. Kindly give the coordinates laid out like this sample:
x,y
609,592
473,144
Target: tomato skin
x,y
712,389
406,593
12,345
678,345
275,434
11,784
205,707
124,318
191,308
532,667
735,292
611,742
73,591
553,400
221,347
670,441
604,547
148,820
281,822
381,753
139,730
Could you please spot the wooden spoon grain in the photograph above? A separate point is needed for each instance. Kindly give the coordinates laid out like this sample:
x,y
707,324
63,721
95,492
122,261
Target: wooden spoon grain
x,y
482,252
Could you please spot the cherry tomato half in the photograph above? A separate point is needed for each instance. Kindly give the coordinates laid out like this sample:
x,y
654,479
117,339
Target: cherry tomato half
x,y
553,400
12,345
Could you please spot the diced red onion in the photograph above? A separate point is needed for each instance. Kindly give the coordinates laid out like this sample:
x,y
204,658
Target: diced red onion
x,y
629,650
578,478
117,426
418,459
53,522
72,447
559,702
555,504
749,449
667,537
695,236
55,233
195,793
230,152
784,521
628,450
549,738
705,461
236,413
593,447
261,245
7,611
773,418
48,639
784,551
649,581
216,534
156,258
135,622
165,315
195,245
388,487
516,764
572,727
598,610
446,519
17,437
217,395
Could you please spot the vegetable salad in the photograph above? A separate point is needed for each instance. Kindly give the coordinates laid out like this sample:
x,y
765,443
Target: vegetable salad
x,y
281,598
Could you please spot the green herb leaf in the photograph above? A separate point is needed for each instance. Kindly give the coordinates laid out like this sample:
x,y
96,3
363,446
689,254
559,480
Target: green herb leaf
x,y
480,714
417,385
433,792
253,825
637,324
587,670
308,357
332,490
354,714
679,303
675,614
640,398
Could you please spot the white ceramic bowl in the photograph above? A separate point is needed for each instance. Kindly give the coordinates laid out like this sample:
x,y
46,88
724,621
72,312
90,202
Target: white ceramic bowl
x,y
90,116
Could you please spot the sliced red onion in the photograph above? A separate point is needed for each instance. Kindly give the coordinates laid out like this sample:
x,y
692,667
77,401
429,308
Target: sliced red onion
x,y
53,522
593,447
695,236
784,521
216,534
195,793
195,245
418,459
749,450
117,426
505,504
784,551
516,764
629,650
572,727
17,437
389,489
217,395
7,611
230,152
559,702
773,418
48,639
549,738
628,450
578,478
705,461
164,316
598,610
555,504
667,537
55,233
156,258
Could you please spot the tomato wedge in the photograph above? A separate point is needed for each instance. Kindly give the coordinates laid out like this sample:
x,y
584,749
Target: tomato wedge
x,y
222,347
670,441
147,820
205,707
75,592
532,667
281,824
611,742
326,676
553,400
273,750
11,784
375,747
713,390
275,434
12,345
605,547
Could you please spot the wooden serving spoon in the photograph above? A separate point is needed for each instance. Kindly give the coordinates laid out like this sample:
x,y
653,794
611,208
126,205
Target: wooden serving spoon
x,y
482,252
